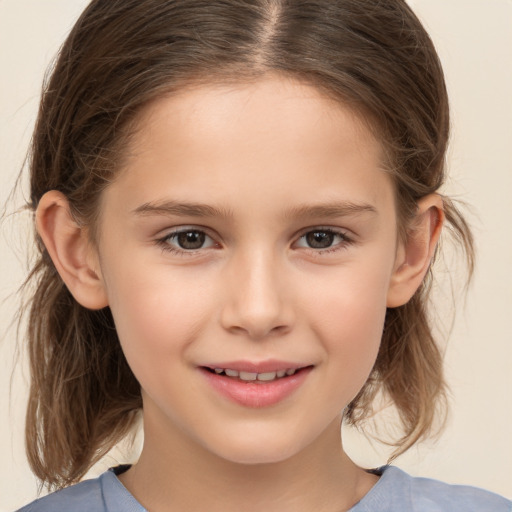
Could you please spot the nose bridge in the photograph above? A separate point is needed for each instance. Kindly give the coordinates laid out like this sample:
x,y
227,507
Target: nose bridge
x,y
256,303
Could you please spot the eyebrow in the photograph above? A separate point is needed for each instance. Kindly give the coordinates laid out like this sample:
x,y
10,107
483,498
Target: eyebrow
x,y
181,209
330,210
325,210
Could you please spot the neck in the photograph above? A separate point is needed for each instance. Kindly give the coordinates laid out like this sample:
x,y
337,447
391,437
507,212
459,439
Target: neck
x,y
176,474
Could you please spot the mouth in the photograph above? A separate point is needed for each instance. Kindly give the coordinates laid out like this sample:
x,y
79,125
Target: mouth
x,y
248,387
247,376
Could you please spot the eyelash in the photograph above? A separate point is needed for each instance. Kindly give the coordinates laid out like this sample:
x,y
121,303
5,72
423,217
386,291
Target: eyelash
x,y
165,245
343,243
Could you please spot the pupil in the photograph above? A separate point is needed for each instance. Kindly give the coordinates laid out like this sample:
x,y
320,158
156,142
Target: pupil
x,y
191,239
319,239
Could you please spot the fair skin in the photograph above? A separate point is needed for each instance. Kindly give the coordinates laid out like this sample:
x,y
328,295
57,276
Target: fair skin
x,y
291,259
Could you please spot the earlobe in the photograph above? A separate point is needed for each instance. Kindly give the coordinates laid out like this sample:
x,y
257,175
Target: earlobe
x,y
415,254
70,250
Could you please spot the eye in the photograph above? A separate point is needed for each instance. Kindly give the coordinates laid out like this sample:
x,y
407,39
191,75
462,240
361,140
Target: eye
x,y
186,240
322,239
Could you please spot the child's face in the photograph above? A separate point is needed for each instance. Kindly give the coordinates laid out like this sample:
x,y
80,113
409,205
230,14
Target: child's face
x,y
291,246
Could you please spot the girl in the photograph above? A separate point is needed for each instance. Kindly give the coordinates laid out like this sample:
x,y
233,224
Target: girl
x,y
237,207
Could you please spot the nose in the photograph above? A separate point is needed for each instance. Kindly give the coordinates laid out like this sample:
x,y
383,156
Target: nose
x,y
256,302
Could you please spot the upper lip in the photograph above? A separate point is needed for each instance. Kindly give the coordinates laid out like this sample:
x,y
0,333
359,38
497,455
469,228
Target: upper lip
x,y
270,365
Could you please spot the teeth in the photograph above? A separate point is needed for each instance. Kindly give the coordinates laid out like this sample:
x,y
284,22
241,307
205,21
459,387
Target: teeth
x,y
252,376
247,375
267,376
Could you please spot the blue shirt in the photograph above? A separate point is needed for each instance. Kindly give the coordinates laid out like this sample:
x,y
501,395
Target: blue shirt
x,y
395,491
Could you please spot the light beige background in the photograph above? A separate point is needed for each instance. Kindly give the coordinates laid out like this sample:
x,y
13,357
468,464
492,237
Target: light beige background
x,y
474,39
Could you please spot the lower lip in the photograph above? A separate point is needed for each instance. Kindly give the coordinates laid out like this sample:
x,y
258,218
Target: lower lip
x,y
256,394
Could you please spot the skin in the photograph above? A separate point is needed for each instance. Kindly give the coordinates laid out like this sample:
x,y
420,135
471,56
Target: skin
x,y
263,157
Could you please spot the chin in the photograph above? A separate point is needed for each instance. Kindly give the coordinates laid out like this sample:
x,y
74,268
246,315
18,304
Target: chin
x,y
258,458
258,450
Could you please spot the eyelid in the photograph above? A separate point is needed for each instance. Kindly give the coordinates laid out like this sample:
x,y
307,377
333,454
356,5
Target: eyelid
x,y
343,233
164,243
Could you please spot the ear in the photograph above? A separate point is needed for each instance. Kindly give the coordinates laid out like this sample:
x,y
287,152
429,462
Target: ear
x,y
415,254
70,250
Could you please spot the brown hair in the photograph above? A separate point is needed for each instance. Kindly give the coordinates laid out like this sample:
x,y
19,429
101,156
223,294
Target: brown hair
x,y
372,55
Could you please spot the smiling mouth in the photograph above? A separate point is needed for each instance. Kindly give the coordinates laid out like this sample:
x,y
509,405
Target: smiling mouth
x,y
253,376
245,386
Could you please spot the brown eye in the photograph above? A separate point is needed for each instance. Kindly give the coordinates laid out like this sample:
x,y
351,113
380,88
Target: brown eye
x,y
320,239
190,240
323,241
187,241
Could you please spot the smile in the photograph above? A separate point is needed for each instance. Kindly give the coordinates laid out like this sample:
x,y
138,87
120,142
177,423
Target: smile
x,y
256,389
253,376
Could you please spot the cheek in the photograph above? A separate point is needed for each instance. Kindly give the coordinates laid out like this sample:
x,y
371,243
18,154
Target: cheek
x,y
353,334
155,312
348,317
351,300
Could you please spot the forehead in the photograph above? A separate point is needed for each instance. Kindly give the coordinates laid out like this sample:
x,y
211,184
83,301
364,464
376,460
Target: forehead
x,y
298,109
275,136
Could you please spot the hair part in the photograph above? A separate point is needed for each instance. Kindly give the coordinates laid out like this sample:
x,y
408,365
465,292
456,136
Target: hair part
x,y
374,57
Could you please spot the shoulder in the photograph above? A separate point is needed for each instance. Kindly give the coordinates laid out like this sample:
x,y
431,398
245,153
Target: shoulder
x,y
397,491
430,493
103,494
82,497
